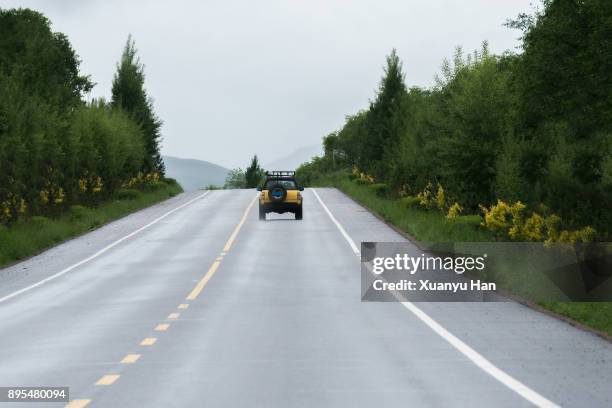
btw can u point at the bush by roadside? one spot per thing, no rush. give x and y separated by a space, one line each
424 225
29 236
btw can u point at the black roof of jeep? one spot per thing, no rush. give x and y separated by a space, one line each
283 175
272 176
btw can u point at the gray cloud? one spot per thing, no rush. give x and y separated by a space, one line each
234 78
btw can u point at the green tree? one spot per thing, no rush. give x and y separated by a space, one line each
235 179
55 150
129 94
564 126
253 174
385 120
474 114
41 61
534 127
566 65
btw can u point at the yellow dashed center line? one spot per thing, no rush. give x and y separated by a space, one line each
196 291
231 239
213 268
130 358
149 341
78 403
108 379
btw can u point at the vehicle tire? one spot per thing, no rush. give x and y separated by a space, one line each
262 213
298 213
277 193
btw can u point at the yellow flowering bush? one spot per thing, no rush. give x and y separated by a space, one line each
552 228
90 183
430 200
5 211
508 220
533 229
498 218
454 211
440 198
143 180
360 177
51 194
134 181
83 185
43 197
426 196
585 235
12 207
96 184
59 196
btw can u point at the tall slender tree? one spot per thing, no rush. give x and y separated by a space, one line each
385 119
129 94
254 173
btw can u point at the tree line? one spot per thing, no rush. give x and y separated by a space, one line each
56 149
532 126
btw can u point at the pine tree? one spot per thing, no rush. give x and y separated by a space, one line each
254 173
129 94
385 117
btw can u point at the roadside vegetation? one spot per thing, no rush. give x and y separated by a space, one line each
511 147
251 178
29 236
426 226
67 164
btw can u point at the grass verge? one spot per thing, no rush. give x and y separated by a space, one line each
432 226
30 236
596 315
424 226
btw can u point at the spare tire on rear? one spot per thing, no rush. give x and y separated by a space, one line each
277 193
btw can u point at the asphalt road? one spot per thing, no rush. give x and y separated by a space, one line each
195 302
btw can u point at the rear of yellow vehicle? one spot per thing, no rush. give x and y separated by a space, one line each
280 194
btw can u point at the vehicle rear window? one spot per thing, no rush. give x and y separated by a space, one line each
288 184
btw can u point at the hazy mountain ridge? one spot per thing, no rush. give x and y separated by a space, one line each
194 174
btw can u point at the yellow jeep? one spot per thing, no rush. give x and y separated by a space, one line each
280 194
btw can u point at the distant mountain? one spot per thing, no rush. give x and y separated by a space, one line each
194 174
293 160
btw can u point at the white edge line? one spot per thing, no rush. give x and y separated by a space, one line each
335 221
100 252
478 359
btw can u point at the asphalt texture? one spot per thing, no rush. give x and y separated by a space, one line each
211 307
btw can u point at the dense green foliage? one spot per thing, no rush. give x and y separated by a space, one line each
425 226
28 236
253 174
55 149
130 95
235 179
39 61
251 178
432 226
533 127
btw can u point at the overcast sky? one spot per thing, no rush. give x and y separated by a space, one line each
233 78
